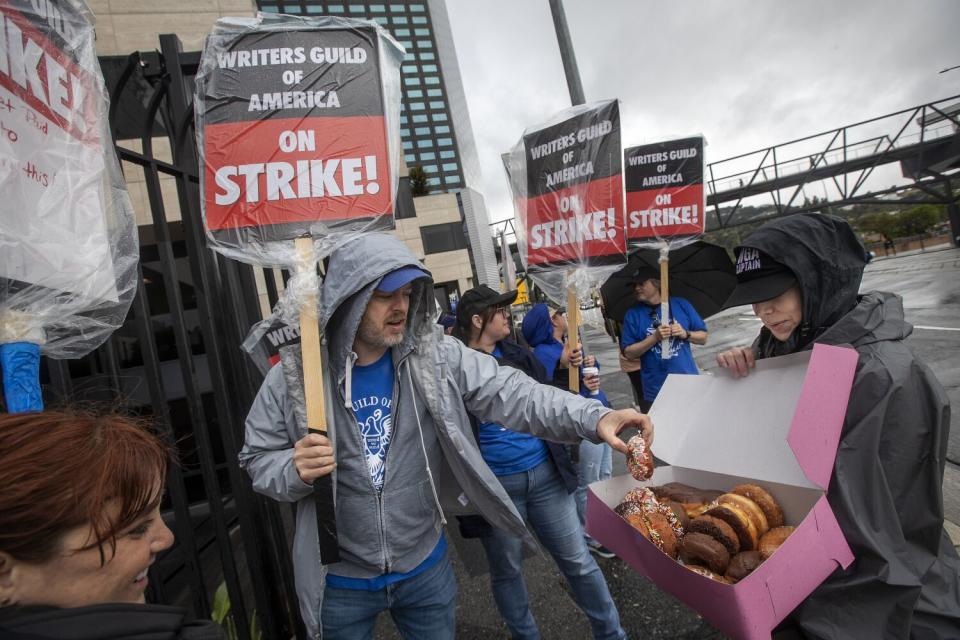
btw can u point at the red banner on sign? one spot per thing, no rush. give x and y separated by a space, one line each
665 212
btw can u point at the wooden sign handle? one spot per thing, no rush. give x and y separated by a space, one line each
664 303
316 406
573 336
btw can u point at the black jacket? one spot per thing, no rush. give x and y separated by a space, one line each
519 357
104 622
886 489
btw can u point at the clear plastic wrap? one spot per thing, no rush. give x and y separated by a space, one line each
299 134
266 338
664 193
567 184
68 244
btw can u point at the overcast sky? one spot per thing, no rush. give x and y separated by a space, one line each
746 74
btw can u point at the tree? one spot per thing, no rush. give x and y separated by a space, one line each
418 181
883 224
917 220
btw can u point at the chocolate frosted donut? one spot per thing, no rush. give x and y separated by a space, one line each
718 530
699 548
639 458
771 509
739 521
685 494
750 508
706 573
742 564
772 540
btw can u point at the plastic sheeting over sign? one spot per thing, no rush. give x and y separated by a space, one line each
298 127
68 247
665 198
568 195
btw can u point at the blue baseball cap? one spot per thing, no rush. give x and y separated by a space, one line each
396 279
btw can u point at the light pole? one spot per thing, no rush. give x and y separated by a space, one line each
566 52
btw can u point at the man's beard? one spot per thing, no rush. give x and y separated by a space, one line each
373 336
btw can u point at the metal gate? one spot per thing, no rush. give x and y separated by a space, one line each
177 358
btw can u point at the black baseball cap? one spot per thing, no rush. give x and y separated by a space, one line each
474 301
644 273
759 278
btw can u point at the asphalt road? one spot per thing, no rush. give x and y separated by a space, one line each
930 285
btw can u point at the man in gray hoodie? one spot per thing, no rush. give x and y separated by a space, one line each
400 446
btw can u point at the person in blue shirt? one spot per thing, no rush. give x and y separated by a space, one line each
544 330
643 333
538 477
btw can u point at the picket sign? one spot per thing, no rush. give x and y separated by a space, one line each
573 336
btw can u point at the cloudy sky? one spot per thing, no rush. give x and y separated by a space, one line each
745 73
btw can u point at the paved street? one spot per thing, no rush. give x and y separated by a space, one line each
930 285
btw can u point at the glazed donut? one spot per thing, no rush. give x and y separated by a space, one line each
699 548
772 540
742 564
638 520
739 521
695 509
639 458
706 573
718 530
750 508
764 500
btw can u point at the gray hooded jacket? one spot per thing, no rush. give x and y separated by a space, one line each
886 489
433 466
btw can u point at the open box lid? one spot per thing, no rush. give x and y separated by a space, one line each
781 423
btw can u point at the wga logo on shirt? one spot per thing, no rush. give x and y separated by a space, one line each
376 428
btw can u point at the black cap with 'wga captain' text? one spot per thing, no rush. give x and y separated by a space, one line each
759 278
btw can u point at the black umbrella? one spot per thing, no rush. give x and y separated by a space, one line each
700 272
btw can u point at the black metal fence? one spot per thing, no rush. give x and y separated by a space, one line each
177 358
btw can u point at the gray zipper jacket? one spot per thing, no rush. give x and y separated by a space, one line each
433 465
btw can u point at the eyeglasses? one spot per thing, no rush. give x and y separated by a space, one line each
502 310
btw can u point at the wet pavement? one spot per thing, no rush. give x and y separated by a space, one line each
930 285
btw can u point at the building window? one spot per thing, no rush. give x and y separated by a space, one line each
419 118
450 166
414 93
381 20
405 33
427 56
409 68
424 144
441 129
429 68
357 8
417 106
406 44
438 238
421 131
435 93
335 8
416 7
410 157
430 168
424 44
410 57
397 8
403 119
433 182
430 155
421 32
411 80
444 142
439 117
446 155
432 80
419 20
452 179
399 19
438 104
377 8
314 9
404 133
267 9
407 145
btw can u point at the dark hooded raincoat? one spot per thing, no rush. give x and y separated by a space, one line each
886 489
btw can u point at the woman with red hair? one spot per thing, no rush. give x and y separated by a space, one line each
80 526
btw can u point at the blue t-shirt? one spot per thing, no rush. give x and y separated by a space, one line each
381 581
372 395
506 451
639 323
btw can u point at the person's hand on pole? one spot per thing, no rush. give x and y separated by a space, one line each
313 457
572 357
678 331
614 422
592 383
590 361
738 361
665 331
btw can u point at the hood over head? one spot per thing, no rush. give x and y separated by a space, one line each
353 272
827 260
537 326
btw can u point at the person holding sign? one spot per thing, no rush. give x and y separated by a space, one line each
643 335
400 398
538 476
802 274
